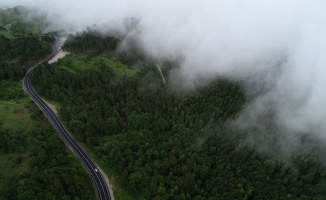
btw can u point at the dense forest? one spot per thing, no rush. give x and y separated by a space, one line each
24 48
165 144
21 41
52 173
34 162
45 170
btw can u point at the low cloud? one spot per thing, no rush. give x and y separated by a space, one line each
277 49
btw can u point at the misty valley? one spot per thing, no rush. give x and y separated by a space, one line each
152 136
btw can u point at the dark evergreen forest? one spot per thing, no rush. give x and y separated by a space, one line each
165 144
24 48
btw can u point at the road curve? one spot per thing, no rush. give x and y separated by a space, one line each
98 178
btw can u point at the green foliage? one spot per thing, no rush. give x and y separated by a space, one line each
79 64
34 162
23 48
7 16
88 42
52 171
21 41
21 21
11 71
12 142
100 104
22 28
167 145
93 43
14 116
7 34
11 90
30 152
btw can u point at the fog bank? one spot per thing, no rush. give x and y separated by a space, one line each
275 48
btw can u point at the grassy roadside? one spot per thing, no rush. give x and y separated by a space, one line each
78 64
15 120
7 34
14 116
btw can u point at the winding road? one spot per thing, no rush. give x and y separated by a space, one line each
103 191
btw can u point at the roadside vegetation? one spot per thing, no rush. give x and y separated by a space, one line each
157 143
81 64
34 162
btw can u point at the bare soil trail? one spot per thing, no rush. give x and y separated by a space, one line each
159 69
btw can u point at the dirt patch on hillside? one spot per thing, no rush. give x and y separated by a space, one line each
53 107
61 54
